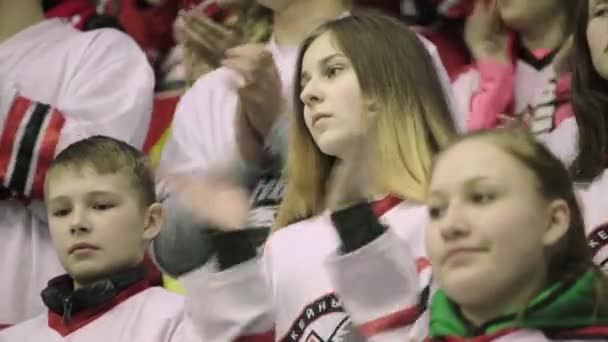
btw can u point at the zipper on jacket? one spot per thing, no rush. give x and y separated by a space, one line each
67 310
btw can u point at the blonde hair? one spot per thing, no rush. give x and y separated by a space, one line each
397 74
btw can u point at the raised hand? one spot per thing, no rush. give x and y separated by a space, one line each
259 85
214 198
485 33
204 40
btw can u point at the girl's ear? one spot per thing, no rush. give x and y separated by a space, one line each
558 224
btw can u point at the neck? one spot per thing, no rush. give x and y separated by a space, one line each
17 15
511 300
549 35
294 23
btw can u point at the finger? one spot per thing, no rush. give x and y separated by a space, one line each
209 26
243 68
200 42
246 50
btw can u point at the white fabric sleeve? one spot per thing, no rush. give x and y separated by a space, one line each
382 286
109 94
231 304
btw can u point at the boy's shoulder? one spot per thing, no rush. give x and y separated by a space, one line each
161 301
19 331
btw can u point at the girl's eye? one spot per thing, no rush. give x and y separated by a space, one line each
482 198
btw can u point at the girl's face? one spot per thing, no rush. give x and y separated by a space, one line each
333 104
489 225
597 35
521 14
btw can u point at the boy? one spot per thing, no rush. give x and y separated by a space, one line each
103 214
57 85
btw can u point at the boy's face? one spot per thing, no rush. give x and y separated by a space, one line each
96 221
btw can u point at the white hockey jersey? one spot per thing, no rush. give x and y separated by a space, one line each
291 296
594 200
152 315
385 260
530 86
57 85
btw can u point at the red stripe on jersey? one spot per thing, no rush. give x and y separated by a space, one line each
384 205
80 319
13 121
4 326
393 321
593 331
422 264
263 337
46 152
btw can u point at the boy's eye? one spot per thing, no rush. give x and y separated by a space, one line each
61 212
103 206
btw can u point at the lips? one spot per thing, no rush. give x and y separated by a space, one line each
319 116
81 246
460 251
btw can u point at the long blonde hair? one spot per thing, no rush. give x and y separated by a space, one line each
397 74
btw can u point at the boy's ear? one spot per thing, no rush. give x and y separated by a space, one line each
154 221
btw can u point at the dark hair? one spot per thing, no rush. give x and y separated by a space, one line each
108 155
590 102
99 21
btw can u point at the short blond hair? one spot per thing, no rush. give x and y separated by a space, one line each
108 155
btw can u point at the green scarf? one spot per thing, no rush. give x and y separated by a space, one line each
565 305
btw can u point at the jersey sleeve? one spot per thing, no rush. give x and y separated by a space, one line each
231 305
109 94
203 132
484 92
384 289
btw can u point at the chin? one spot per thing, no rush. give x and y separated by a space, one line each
603 70
331 145
465 286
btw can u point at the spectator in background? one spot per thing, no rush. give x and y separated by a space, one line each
590 101
442 22
81 13
513 81
96 82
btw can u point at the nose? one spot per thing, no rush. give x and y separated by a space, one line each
312 93
454 224
79 222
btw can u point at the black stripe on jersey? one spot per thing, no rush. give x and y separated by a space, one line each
598 238
27 144
529 58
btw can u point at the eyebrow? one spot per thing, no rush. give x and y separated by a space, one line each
304 75
598 2
91 194
467 183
